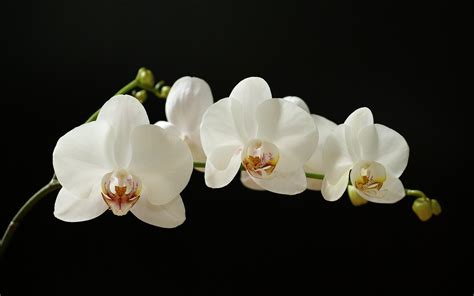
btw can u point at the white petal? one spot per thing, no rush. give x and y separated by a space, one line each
332 192
193 141
289 183
391 192
382 144
70 208
162 161
291 129
337 159
249 182
186 103
123 113
359 119
169 127
314 184
169 215
222 165
315 163
251 91
83 156
298 102
218 127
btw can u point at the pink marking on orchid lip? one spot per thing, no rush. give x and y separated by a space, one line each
260 159
120 190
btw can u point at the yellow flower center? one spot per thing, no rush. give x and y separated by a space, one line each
260 158
369 177
121 190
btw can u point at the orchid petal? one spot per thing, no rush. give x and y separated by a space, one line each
291 129
168 215
70 208
186 103
83 156
162 161
123 113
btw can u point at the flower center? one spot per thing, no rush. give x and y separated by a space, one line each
121 190
260 158
368 177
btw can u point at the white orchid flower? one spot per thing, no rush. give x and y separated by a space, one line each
185 105
372 155
314 164
271 138
122 162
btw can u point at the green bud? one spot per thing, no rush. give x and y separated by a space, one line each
159 84
435 207
165 90
145 77
422 208
141 95
354 196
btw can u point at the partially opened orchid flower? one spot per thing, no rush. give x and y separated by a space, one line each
372 155
186 103
271 138
122 162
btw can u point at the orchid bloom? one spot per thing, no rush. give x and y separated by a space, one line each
314 164
271 138
123 163
185 105
372 155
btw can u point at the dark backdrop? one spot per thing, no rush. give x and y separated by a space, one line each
61 60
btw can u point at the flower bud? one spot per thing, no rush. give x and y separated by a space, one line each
435 207
422 208
145 77
354 196
165 90
141 95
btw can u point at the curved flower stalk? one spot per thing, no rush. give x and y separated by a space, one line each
314 164
187 101
271 138
372 155
121 162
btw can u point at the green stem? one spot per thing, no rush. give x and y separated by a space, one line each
414 193
308 175
314 176
25 209
157 93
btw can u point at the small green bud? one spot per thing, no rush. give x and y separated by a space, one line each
354 196
165 90
145 77
435 207
159 84
422 208
141 95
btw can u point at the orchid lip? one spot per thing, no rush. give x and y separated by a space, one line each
260 158
369 177
120 190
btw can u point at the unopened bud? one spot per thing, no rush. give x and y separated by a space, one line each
422 208
165 90
141 95
145 77
354 196
435 207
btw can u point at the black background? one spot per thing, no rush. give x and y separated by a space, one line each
61 60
